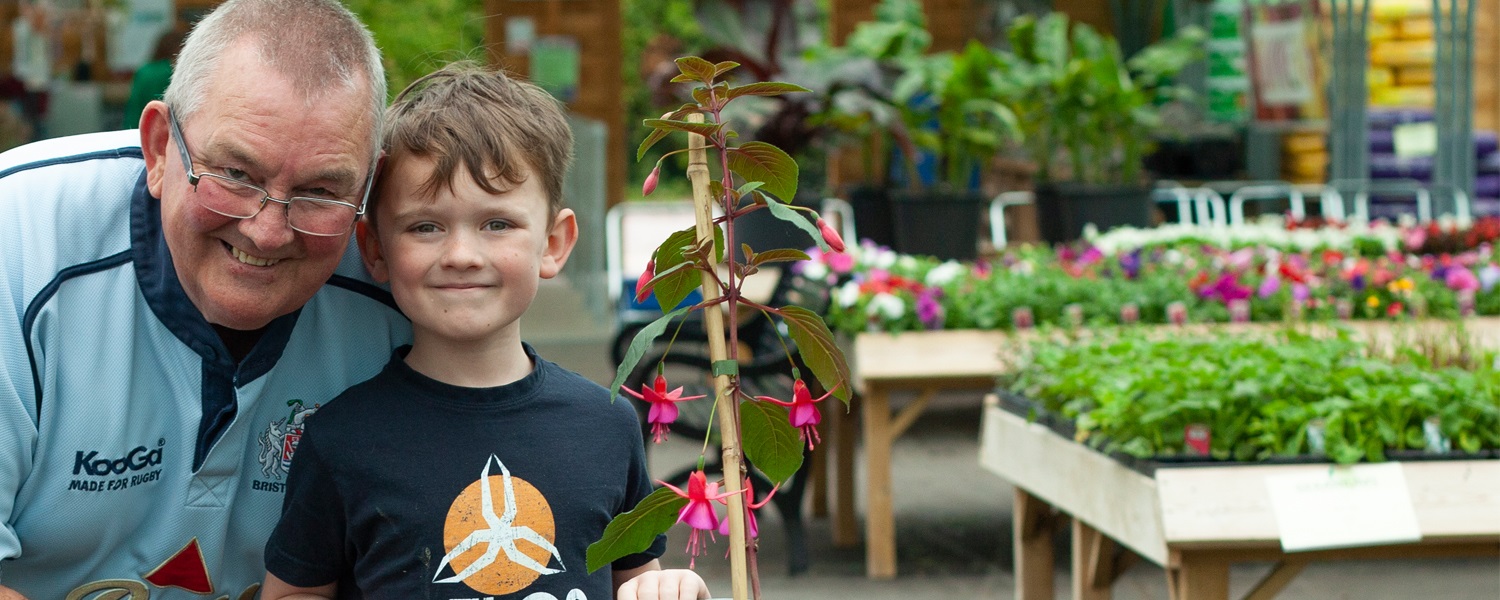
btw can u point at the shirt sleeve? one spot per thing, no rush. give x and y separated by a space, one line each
638 486
306 548
17 385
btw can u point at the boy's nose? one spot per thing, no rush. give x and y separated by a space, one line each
461 252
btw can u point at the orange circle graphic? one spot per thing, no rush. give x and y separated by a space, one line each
467 516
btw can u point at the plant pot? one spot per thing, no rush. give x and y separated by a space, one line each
1064 208
937 223
872 215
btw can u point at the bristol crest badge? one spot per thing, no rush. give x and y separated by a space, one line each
279 441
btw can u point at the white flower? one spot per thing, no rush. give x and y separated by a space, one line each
814 270
886 306
883 258
848 294
1172 256
944 273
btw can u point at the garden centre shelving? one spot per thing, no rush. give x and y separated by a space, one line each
1195 522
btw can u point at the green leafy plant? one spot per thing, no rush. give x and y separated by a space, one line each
1290 394
751 176
1077 95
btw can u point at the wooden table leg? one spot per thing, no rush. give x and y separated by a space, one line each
880 523
845 521
1032 546
1093 563
1198 578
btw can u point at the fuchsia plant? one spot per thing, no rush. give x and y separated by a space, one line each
752 176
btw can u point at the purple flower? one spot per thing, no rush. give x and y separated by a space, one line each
929 310
1227 289
1131 264
1269 287
1300 292
1358 282
1460 279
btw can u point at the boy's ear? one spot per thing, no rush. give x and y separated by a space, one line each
155 134
560 242
369 251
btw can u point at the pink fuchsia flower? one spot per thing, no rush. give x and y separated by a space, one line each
803 411
750 527
1461 279
663 406
831 236
699 512
643 284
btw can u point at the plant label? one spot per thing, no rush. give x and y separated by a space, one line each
1130 314
1239 311
1320 507
1177 313
1466 303
1432 434
1075 315
1021 318
1197 437
1344 308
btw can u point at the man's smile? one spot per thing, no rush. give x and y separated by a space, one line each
250 259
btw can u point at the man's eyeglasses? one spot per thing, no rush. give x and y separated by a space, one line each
239 199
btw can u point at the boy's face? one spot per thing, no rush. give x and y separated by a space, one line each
463 264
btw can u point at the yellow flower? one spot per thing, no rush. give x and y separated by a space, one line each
1406 284
1372 301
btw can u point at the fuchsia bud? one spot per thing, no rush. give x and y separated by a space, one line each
830 236
642 285
650 185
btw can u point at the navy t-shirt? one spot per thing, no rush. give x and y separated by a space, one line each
406 487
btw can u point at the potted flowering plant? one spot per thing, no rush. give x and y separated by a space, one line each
770 431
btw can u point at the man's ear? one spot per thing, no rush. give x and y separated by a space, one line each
560 242
155 135
369 251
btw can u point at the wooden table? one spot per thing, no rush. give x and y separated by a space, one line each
930 362
1195 522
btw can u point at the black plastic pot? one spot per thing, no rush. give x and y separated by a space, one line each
937 223
1064 208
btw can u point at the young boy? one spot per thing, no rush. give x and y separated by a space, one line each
469 467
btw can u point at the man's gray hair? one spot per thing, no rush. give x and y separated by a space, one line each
315 43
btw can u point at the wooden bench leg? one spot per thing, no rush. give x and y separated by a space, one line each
817 486
1093 563
1032 544
1198 578
845 522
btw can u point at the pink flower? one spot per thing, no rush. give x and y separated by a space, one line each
663 408
1460 279
650 185
830 236
803 411
750 528
642 285
839 262
699 512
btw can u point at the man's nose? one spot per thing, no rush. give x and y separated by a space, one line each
269 229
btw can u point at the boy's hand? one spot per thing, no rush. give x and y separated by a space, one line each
669 584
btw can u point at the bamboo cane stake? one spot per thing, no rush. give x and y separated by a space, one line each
727 408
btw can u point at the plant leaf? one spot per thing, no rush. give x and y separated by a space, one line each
785 213
700 94
771 443
638 346
674 285
635 531
778 255
704 129
759 161
725 67
696 69
657 134
822 355
764 88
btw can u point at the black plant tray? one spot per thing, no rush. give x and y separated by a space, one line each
1063 426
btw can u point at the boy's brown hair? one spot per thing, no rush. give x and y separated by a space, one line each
492 124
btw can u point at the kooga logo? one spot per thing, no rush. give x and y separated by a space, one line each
137 459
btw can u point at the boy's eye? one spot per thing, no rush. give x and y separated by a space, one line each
424 228
496 225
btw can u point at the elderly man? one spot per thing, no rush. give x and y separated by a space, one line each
174 305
